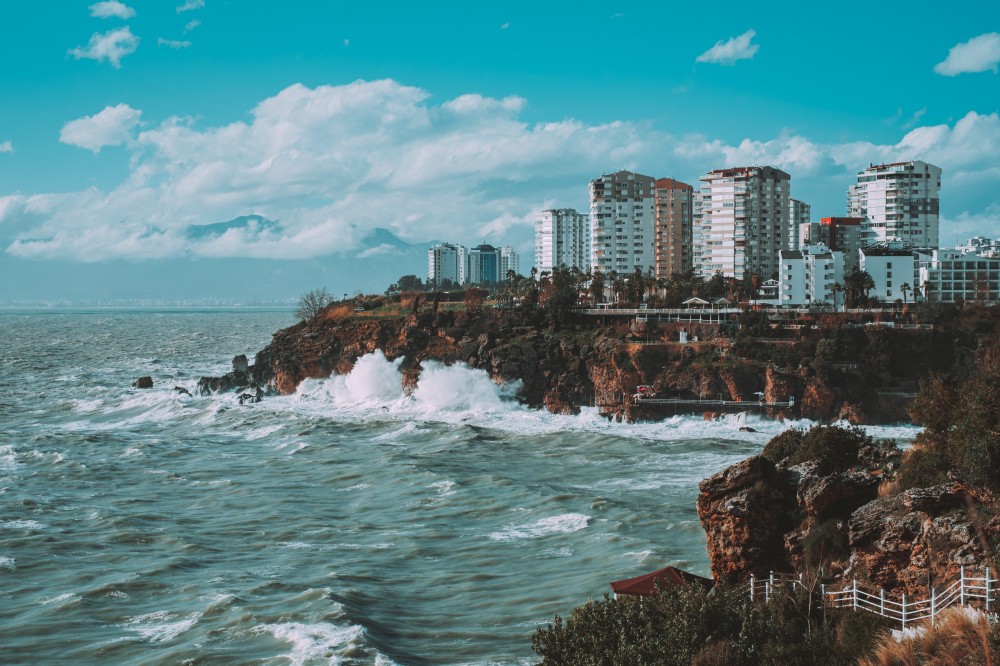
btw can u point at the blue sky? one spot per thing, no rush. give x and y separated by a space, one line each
125 124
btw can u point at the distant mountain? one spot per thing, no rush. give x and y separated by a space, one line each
380 259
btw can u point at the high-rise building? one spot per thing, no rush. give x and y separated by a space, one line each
509 261
744 221
901 200
847 235
672 226
621 222
799 213
697 213
483 265
562 237
811 233
446 262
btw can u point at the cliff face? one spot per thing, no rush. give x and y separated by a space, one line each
761 517
586 362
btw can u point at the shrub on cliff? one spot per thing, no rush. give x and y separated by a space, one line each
961 432
833 447
683 626
312 302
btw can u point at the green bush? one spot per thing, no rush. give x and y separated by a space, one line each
683 626
833 447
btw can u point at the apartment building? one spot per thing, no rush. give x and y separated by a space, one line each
799 213
807 276
672 226
622 213
446 261
483 265
745 220
891 265
969 273
562 237
509 261
901 200
847 235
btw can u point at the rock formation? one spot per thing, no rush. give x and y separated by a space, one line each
805 517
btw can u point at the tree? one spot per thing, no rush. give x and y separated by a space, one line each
905 289
597 285
312 303
837 287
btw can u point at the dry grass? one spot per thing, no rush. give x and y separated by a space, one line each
338 312
958 637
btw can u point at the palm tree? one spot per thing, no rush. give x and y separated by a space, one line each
867 283
836 288
928 287
905 288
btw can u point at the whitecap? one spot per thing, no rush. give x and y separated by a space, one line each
158 627
313 641
562 524
8 563
22 524
61 600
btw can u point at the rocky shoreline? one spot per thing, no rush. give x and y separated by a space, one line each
586 362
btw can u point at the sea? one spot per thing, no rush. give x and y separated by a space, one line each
349 523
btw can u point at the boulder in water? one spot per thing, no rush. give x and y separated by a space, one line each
143 383
181 390
240 363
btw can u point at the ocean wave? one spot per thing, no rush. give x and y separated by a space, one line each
161 626
314 641
562 524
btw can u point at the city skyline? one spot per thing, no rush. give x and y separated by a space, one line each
133 126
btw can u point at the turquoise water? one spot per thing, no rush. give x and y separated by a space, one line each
347 524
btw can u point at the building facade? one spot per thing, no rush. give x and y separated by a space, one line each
622 213
799 213
446 262
847 235
891 266
745 221
483 265
562 237
672 227
959 275
807 276
901 200
509 261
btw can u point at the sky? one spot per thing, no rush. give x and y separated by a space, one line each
128 126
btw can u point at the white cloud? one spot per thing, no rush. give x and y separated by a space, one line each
111 46
733 49
173 43
111 127
979 54
191 4
332 163
192 25
6 146
111 9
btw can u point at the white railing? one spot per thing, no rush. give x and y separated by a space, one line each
967 590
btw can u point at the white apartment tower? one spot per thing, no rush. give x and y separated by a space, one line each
672 228
509 261
745 221
901 200
446 262
622 213
562 236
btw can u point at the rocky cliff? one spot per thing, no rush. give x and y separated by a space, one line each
586 362
845 521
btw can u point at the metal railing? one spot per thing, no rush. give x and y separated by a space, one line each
967 590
